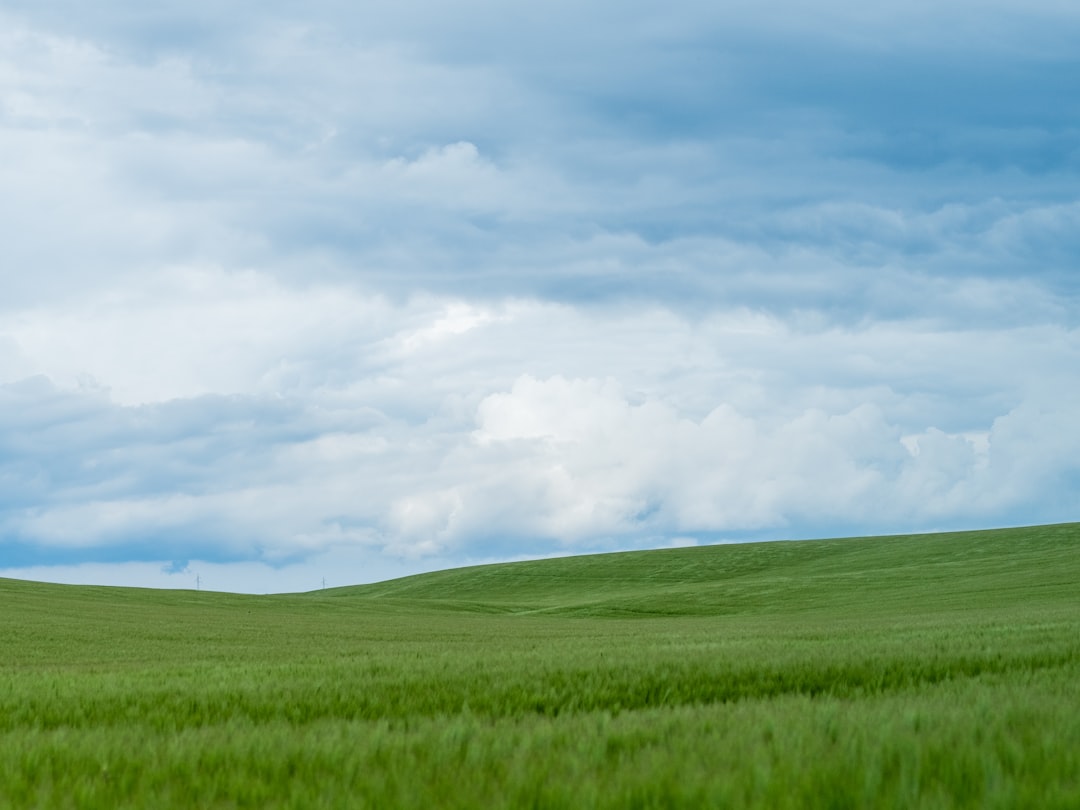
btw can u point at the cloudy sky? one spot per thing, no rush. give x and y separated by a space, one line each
344 291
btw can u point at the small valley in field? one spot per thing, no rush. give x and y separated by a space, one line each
912 671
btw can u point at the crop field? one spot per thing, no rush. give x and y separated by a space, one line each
921 671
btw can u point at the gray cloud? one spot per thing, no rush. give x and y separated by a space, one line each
326 145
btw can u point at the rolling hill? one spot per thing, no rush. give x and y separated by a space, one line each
929 670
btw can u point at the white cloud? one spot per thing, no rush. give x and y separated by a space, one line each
419 430
417 427
186 331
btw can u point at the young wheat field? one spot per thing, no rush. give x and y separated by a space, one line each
921 671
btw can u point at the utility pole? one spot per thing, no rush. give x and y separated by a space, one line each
198 583
324 583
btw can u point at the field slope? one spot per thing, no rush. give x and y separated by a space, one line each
935 671
962 569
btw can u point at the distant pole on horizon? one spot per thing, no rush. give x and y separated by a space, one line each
198 583
324 583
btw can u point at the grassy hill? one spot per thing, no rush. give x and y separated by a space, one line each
935 670
955 570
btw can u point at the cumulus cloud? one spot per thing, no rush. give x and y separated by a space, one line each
438 429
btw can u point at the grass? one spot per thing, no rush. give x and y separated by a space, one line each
922 671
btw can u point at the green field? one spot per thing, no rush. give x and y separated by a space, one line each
922 671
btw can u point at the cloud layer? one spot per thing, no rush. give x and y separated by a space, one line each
411 285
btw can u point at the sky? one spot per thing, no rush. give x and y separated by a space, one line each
327 293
